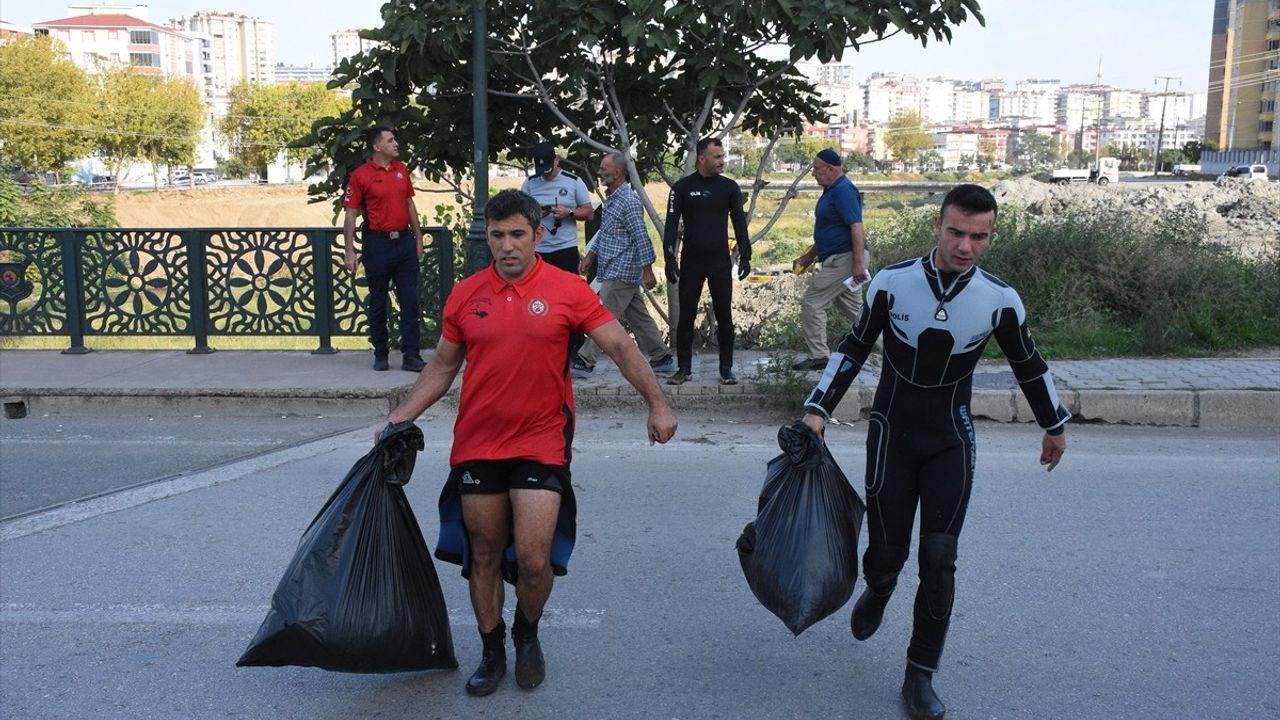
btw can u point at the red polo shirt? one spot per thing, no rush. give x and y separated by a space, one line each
383 193
517 396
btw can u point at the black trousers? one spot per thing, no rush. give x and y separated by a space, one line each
388 261
718 276
567 259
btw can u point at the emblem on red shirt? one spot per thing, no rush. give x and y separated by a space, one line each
538 306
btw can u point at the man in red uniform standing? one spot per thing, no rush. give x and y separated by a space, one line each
391 247
513 437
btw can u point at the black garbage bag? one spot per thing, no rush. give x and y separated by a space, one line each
800 554
361 594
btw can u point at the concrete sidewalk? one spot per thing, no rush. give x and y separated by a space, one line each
1214 392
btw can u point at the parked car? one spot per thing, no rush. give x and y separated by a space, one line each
1256 171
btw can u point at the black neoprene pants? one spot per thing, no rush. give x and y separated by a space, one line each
718 275
920 450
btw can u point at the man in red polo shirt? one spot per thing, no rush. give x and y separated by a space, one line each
513 438
391 245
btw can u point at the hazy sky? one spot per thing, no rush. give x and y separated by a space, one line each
1137 40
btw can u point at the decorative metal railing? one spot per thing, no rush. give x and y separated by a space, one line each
198 282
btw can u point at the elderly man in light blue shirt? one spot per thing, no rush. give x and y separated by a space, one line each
623 256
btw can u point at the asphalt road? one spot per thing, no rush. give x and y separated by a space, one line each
1138 580
53 459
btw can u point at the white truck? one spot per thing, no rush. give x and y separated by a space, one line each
1106 171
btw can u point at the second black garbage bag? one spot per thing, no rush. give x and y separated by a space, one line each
361 593
800 554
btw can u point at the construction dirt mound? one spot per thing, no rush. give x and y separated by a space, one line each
1241 213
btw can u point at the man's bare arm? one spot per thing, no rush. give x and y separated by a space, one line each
618 345
433 382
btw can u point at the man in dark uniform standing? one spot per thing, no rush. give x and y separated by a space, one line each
935 314
391 245
705 201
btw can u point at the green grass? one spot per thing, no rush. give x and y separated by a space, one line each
1117 285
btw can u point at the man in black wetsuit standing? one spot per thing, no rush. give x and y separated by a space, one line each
935 314
706 201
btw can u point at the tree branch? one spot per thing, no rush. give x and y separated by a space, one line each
554 108
782 204
757 184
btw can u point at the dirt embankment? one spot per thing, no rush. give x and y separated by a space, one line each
1240 213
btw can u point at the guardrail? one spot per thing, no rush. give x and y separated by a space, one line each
198 282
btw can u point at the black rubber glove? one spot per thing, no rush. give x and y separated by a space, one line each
673 275
744 269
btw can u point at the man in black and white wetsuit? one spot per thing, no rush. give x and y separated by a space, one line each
936 315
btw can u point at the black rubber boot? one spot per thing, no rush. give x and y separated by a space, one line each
918 695
493 664
531 667
880 566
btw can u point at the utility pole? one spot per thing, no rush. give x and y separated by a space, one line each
477 247
1163 104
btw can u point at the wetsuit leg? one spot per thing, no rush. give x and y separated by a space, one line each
946 482
891 506
720 283
692 276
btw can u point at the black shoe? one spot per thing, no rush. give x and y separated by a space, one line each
867 614
664 364
918 695
580 370
493 666
412 363
380 363
811 364
531 668
728 378
680 377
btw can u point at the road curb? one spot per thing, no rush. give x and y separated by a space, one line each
1176 408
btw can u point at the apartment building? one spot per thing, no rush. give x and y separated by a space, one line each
96 42
1244 74
346 43
242 48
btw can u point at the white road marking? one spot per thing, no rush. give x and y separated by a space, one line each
125 499
151 441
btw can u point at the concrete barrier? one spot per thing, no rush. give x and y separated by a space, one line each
1239 408
1137 407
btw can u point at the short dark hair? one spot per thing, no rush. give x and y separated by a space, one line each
970 199
705 143
510 203
374 134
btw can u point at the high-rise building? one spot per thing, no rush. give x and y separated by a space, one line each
1244 74
346 43
242 48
